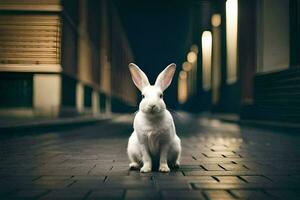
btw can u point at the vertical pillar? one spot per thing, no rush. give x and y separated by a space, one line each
95 102
216 58
79 98
47 94
84 49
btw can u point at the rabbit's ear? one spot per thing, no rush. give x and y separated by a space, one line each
164 79
138 76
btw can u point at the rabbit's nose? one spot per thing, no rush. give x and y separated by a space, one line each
152 107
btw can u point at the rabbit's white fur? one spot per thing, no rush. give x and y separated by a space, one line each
154 135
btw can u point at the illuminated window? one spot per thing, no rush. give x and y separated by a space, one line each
206 59
231 39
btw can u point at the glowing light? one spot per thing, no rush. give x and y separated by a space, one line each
206 59
191 57
194 48
231 39
216 64
186 66
183 75
182 87
216 20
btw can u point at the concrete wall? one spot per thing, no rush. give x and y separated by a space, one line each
47 94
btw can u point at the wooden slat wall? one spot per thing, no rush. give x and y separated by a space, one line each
30 2
31 5
276 96
29 39
121 56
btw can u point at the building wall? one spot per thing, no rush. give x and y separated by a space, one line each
273 40
276 83
57 62
123 92
267 86
30 47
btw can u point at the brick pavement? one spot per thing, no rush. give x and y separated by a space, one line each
219 161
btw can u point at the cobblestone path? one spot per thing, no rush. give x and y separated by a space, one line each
219 161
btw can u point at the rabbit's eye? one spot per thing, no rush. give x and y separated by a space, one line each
143 96
161 96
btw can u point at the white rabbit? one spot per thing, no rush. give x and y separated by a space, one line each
154 136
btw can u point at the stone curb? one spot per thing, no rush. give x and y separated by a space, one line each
34 125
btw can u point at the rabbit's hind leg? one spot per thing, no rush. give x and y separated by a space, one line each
174 154
134 152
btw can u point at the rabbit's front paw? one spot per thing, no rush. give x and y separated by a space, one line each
134 165
145 169
164 168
